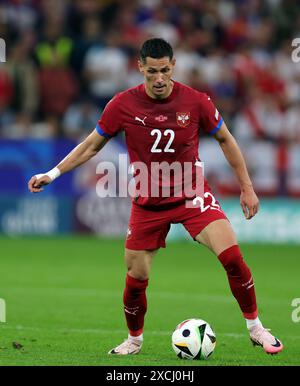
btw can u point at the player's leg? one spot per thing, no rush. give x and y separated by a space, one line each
146 234
219 237
134 298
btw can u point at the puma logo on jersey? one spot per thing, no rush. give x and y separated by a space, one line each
140 120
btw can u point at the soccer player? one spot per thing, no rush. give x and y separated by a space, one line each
161 119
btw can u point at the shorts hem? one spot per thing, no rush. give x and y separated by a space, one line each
203 226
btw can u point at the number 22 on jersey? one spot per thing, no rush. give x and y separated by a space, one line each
155 148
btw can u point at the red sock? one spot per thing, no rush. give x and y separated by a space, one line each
240 280
135 304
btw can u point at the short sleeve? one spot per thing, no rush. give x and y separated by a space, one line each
210 118
110 122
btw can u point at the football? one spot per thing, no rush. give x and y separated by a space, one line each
193 339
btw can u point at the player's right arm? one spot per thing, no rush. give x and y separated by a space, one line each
78 156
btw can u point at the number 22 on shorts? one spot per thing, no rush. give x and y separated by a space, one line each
213 205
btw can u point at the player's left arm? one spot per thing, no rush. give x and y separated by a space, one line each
248 198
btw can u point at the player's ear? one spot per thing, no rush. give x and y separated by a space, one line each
173 62
141 66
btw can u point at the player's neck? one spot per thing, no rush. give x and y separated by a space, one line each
160 97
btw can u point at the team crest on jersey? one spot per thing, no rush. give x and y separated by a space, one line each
183 119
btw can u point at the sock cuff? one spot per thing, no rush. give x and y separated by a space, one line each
136 283
136 333
233 250
251 315
230 254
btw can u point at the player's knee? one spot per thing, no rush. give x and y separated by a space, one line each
137 282
138 264
138 274
138 270
232 260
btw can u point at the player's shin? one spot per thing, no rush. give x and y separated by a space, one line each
240 281
135 305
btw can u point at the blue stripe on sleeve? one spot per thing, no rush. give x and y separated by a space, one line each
217 127
101 132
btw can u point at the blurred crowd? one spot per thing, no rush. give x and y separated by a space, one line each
66 59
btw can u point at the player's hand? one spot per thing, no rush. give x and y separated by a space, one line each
249 203
36 183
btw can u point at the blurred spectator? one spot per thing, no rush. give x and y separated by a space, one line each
134 76
260 119
24 79
6 87
262 161
126 22
80 119
53 54
292 123
187 61
288 70
22 14
19 127
90 37
212 66
293 172
105 69
160 26
23 126
55 48
81 10
195 79
225 90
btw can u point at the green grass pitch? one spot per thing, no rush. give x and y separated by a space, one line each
64 302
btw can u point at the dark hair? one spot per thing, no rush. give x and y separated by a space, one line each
156 48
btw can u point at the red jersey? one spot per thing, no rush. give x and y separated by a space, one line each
157 131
